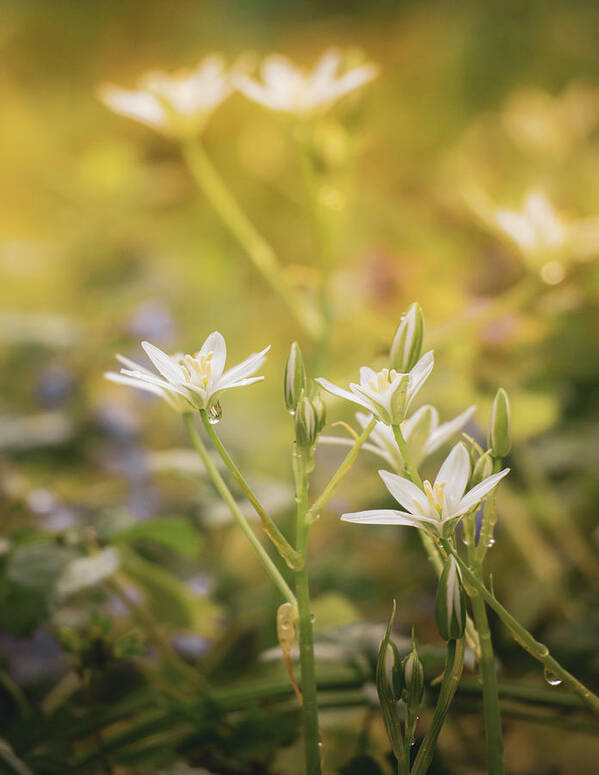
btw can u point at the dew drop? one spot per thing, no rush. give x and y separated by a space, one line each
551 678
490 543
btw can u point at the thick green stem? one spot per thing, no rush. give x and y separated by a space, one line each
306 643
258 249
339 474
522 636
228 498
287 552
453 671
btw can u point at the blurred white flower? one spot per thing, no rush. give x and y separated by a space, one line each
547 241
190 381
422 432
287 88
436 507
386 394
177 105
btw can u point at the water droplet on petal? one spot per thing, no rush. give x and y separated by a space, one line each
551 678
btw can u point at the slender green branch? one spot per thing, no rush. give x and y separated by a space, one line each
306 644
522 636
287 552
489 520
258 249
339 474
454 665
407 458
228 498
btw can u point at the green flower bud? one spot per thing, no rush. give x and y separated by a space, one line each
295 377
413 674
389 693
482 468
450 604
407 342
306 422
320 409
499 433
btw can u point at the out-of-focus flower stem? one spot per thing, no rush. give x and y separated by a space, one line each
454 665
258 249
339 474
306 643
522 636
287 552
228 498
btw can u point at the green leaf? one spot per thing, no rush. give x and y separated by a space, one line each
176 533
38 565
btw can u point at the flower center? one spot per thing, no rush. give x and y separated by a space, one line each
198 368
380 383
434 495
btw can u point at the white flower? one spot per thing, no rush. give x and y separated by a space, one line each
434 508
289 89
177 105
386 394
190 381
422 432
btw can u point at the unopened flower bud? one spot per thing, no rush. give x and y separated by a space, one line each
407 342
389 691
450 605
320 408
499 433
413 675
295 377
306 422
482 468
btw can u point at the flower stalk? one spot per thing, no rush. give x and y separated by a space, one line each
306 643
258 249
228 498
284 548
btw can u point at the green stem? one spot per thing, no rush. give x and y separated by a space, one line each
340 473
228 498
453 671
258 249
522 636
489 520
306 644
287 552
405 453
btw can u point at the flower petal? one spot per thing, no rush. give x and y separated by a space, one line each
337 391
215 344
246 368
446 430
383 517
164 363
406 493
420 373
476 494
454 474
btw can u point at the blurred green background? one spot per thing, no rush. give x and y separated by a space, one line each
105 241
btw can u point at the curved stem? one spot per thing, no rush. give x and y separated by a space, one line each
339 474
228 498
287 552
522 636
258 249
306 644
453 670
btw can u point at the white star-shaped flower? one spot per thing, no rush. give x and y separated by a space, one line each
190 381
177 105
386 394
436 507
289 89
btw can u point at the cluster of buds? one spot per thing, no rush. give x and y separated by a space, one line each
303 400
403 683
